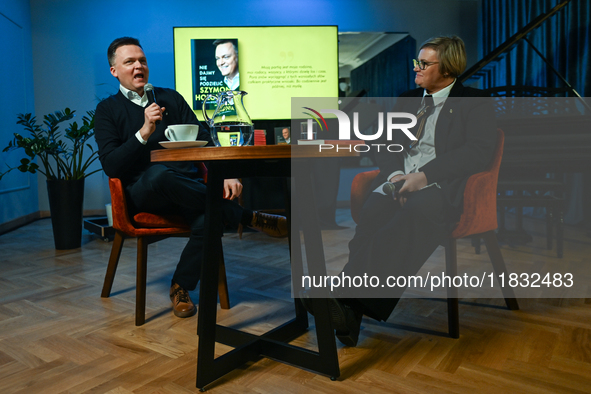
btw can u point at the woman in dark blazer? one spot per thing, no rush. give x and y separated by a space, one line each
397 233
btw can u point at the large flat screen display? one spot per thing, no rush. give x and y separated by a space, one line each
272 64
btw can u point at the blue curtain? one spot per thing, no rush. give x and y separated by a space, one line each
564 40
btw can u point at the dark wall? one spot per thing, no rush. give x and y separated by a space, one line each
389 73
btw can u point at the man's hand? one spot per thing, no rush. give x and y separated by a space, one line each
412 182
232 188
152 114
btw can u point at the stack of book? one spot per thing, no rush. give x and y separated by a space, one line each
260 137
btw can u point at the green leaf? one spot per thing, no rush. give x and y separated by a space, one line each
59 158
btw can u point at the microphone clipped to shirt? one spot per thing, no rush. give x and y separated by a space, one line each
149 89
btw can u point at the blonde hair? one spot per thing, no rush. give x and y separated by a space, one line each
451 54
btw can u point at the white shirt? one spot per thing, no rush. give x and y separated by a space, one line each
423 152
136 99
235 82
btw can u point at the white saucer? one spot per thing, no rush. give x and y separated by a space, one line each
182 144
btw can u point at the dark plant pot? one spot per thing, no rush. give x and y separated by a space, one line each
66 201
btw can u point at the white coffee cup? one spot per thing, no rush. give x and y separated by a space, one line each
182 132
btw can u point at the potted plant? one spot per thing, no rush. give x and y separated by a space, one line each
63 164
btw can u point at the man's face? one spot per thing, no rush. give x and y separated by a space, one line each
430 78
131 68
285 133
226 59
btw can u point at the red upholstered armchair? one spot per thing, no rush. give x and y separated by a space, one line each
479 219
147 228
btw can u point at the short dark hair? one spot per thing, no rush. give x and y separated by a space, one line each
225 41
451 54
119 42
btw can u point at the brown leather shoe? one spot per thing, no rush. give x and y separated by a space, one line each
272 225
182 306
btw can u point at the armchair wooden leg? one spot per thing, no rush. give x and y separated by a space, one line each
223 284
141 278
451 270
475 243
498 263
113 262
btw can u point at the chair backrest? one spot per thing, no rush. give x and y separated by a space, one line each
480 197
143 223
121 218
359 191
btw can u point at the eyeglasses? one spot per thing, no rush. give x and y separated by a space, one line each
422 64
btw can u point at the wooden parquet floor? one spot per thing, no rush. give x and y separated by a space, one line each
57 335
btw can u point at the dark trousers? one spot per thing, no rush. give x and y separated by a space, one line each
164 190
395 240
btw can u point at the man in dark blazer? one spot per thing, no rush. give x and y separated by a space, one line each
398 232
128 126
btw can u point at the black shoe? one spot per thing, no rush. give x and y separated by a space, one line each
272 225
345 319
306 300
